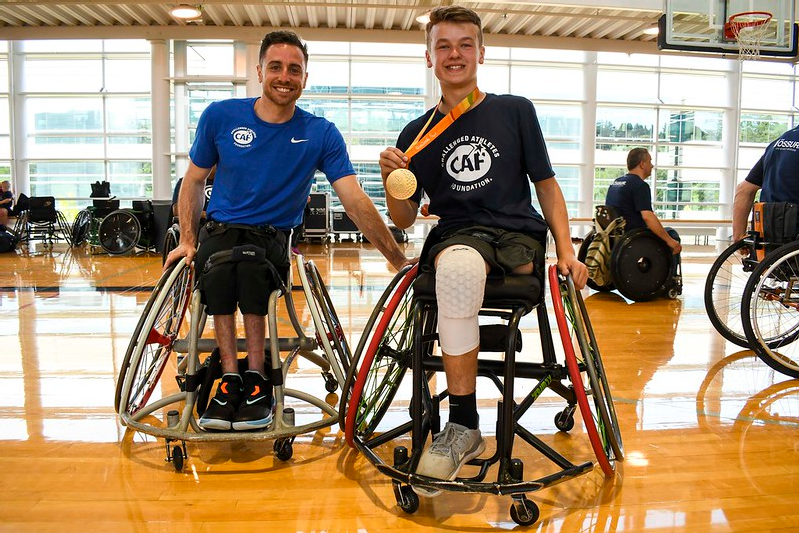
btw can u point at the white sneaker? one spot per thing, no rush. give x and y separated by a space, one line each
450 450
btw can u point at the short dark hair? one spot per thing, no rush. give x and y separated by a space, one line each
636 157
282 37
453 14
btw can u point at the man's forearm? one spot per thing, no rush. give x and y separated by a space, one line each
368 220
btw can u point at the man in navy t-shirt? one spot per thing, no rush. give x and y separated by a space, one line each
777 173
631 197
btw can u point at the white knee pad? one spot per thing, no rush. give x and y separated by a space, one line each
460 286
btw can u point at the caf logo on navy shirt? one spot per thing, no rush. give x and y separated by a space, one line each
467 160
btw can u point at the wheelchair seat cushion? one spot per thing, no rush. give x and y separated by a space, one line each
511 291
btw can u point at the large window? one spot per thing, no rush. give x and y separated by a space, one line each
85 113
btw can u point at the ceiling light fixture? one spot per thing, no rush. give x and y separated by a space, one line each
184 11
652 30
423 19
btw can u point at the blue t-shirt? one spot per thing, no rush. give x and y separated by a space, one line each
630 195
264 171
478 171
777 171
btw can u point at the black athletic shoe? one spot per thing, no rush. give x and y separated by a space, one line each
255 410
222 407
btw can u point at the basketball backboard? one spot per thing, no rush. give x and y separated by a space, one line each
704 26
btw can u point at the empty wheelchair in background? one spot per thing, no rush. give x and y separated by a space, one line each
116 231
640 263
43 222
164 395
401 335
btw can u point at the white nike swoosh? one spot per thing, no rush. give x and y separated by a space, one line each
295 141
250 402
220 402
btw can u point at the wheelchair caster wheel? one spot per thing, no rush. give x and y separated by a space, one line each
410 500
524 512
564 420
177 458
283 449
673 293
331 385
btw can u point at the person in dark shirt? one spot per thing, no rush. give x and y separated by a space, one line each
632 198
477 172
776 173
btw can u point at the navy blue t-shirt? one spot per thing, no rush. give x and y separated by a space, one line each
478 171
630 195
777 171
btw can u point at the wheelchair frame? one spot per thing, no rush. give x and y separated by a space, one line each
401 334
161 331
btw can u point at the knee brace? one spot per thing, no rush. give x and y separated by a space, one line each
460 287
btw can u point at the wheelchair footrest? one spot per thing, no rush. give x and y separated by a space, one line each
489 488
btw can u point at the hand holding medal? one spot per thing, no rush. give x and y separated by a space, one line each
401 182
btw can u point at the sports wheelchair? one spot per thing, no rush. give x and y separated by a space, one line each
39 219
116 231
401 335
173 320
750 292
640 262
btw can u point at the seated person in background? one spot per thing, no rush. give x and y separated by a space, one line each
631 197
6 203
261 187
477 174
776 172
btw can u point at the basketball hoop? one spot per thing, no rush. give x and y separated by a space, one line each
748 29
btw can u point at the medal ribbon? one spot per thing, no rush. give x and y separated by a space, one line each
419 143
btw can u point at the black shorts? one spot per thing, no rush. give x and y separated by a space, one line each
503 250
246 284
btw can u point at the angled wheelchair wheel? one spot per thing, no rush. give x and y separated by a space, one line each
119 232
599 415
581 255
640 265
171 240
724 288
81 227
330 323
384 361
156 333
770 309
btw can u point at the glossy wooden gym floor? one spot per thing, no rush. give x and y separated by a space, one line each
711 434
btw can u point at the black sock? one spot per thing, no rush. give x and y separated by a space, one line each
463 410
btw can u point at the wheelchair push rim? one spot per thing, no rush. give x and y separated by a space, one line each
154 342
770 310
724 289
390 344
599 416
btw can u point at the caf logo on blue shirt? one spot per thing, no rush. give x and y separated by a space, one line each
243 137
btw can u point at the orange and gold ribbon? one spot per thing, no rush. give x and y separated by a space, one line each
419 143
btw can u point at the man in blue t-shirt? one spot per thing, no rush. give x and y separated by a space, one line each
632 198
266 151
776 172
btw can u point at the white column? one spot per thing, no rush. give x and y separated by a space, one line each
588 142
731 127
247 69
181 108
162 159
19 132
